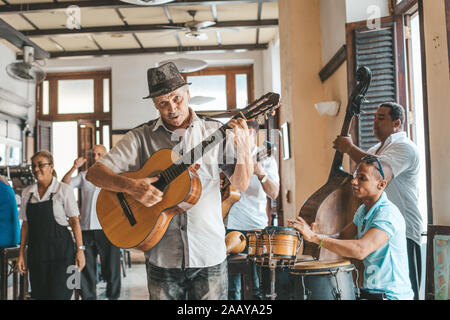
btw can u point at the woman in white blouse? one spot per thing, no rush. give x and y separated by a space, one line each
48 208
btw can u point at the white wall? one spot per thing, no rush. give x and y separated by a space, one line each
21 88
357 10
129 79
271 67
332 27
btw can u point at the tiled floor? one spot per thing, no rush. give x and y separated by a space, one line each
134 285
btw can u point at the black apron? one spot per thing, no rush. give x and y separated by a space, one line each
50 251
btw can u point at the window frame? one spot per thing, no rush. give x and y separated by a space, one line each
402 7
53 79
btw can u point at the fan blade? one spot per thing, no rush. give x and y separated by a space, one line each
147 2
173 27
187 65
202 37
204 24
199 100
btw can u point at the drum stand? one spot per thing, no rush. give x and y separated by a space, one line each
273 263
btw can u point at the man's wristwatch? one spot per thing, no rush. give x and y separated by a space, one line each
264 178
81 248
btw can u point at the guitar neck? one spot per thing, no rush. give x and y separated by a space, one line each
178 167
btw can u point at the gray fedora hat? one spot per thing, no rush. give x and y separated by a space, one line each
163 80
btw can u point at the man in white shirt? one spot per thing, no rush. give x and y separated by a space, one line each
93 236
250 212
402 155
189 262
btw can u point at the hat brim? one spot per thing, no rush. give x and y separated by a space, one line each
166 91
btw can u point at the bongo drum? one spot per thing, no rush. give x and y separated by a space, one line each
252 237
323 280
280 243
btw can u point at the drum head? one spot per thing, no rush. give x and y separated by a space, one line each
311 267
280 230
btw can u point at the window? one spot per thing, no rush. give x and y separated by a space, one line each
69 96
74 108
415 105
376 49
75 96
394 54
231 87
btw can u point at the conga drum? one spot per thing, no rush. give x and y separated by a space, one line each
284 287
280 243
323 280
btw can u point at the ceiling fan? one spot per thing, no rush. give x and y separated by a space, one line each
147 2
25 70
194 28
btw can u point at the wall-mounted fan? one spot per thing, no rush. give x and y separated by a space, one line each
147 2
25 70
187 65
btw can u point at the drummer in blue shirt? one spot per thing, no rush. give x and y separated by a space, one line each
376 236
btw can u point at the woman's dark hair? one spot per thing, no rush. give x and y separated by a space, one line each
397 112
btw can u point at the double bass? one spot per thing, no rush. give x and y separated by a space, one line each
333 206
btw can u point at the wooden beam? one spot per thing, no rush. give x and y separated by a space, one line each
19 40
333 64
107 4
155 50
141 28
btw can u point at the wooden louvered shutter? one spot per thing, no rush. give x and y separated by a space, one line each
382 51
44 135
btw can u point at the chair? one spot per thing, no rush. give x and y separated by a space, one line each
438 262
8 260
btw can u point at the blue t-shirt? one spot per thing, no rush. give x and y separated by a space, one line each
386 269
9 217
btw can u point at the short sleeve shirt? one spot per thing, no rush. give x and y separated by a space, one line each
89 195
64 203
195 238
386 269
401 154
249 212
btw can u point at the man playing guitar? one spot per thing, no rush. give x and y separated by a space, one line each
189 262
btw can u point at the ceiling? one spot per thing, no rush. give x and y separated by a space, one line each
116 27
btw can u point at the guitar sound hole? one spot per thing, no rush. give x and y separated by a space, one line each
161 184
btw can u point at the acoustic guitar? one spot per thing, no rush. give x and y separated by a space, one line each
129 224
229 194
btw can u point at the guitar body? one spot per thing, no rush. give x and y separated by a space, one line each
229 197
151 222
